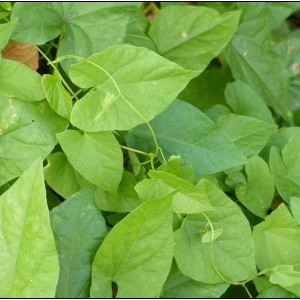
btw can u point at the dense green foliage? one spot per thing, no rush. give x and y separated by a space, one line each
153 156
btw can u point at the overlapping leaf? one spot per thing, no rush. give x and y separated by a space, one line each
28 261
126 257
12 83
285 168
248 134
61 176
79 229
134 85
257 199
277 240
180 286
191 135
224 253
262 69
27 131
95 156
194 41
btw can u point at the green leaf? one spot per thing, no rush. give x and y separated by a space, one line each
61 176
261 69
207 89
27 131
254 22
191 135
194 41
248 134
79 229
187 199
245 101
95 156
28 262
295 208
287 277
134 84
279 11
126 199
180 286
277 240
38 22
285 168
58 98
6 30
257 193
92 28
275 291
126 257
12 83
231 253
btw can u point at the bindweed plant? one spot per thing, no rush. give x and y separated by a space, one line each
154 154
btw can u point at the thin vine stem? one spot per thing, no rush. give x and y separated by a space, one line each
55 68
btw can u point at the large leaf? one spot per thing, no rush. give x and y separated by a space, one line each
191 135
285 168
245 101
134 85
137 253
95 156
28 261
225 253
262 69
181 286
27 131
248 134
79 229
12 83
277 240
256 194
194 41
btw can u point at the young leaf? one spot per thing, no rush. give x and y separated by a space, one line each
285 169
126 258
79 229
61 176
27 131
248 134
251 194
191 135
245 101
28 261
12 83
194 41
287 277
181 286
95 156
228 257
277 240
58 98
263 70
134 85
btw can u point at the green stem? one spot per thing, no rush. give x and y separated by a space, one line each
55 68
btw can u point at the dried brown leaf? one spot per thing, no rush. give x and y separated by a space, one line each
22 52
